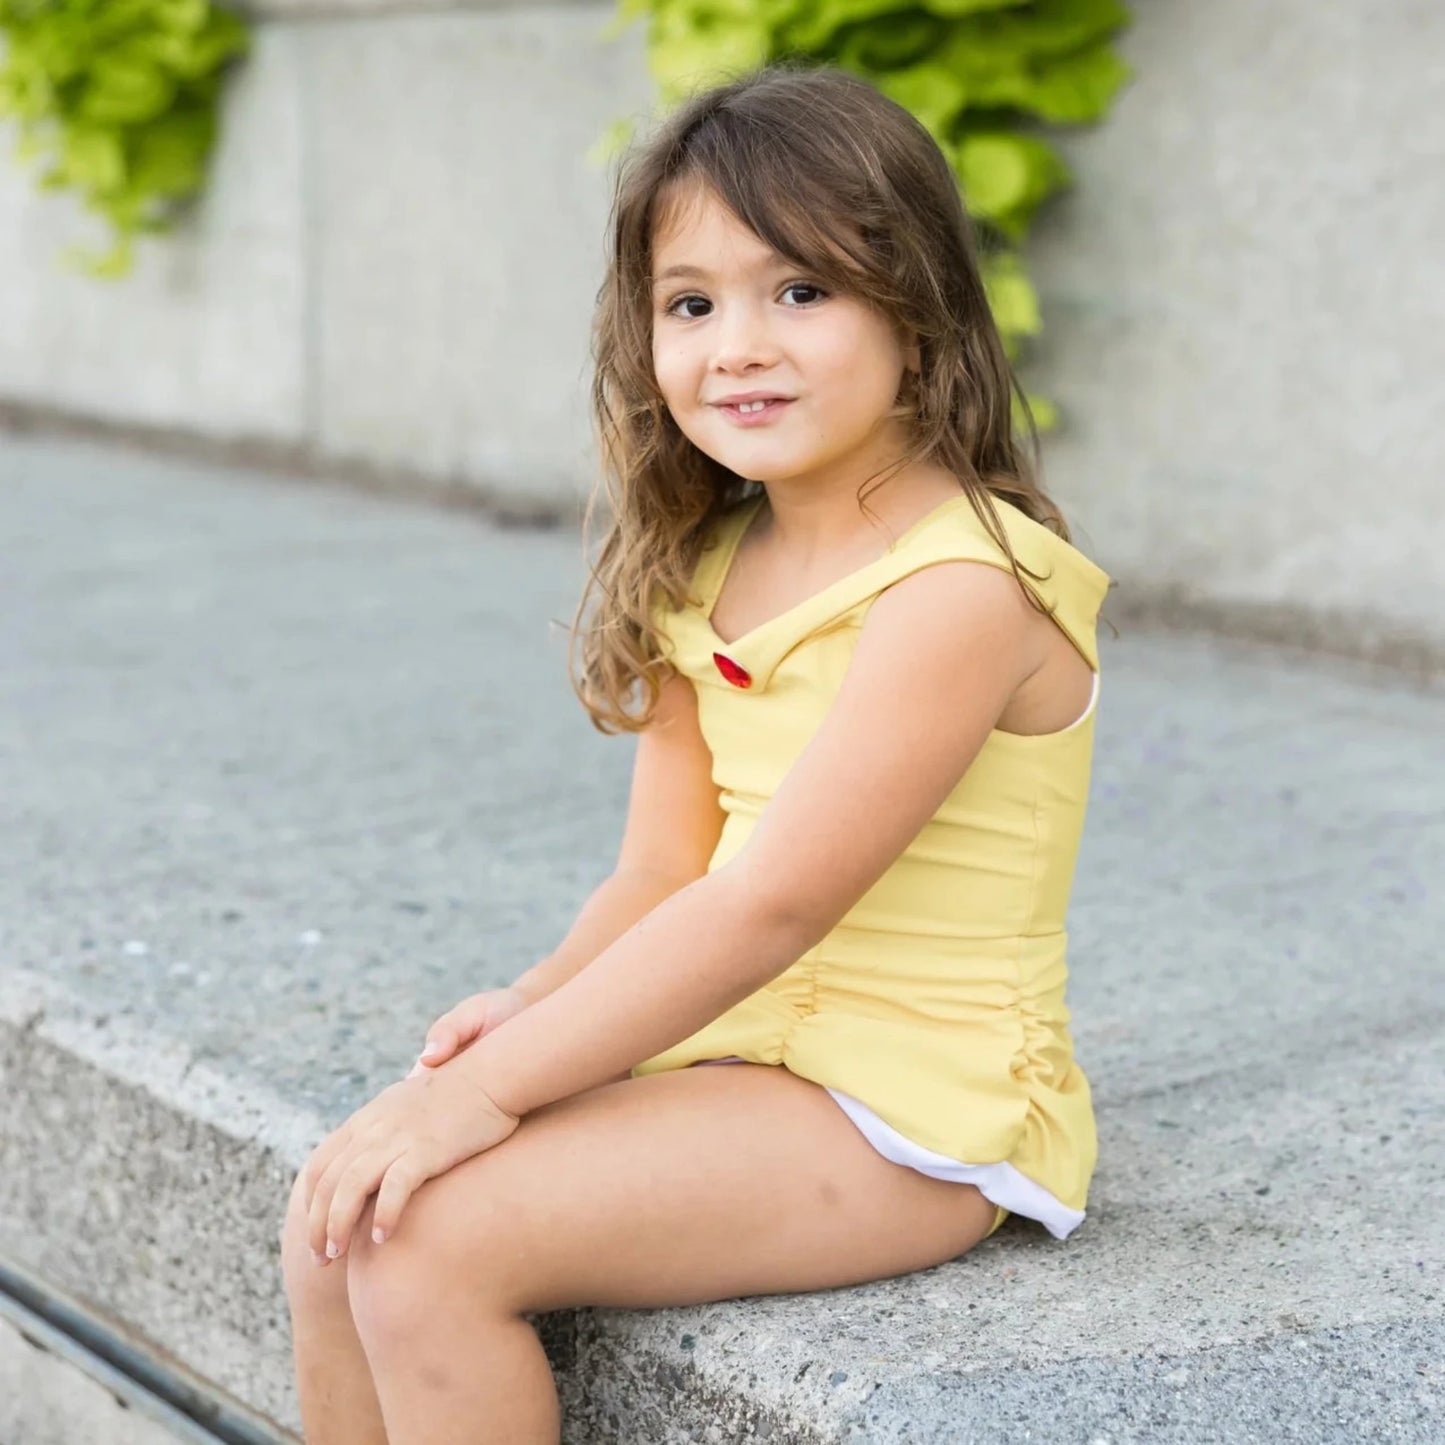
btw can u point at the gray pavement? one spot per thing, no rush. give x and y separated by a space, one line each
281 778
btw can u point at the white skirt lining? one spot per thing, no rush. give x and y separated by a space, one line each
998 1183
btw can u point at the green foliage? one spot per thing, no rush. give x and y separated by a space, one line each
982 75
118 99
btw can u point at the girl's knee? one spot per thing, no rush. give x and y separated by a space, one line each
393 1290
448 1245
308 1285
293 1226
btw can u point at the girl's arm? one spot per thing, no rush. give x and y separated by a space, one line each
938 658
674 821
617 903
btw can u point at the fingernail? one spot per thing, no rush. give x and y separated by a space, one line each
379 1235
431 1048
332 1249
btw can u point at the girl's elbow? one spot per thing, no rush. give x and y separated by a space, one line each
787 918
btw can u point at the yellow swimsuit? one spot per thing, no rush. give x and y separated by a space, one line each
934 1011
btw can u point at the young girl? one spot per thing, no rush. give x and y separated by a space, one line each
860 781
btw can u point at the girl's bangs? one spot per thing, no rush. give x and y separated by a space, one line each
802 223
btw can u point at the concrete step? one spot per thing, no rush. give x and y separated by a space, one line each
277 785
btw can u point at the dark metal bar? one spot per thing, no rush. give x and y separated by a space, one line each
195 1411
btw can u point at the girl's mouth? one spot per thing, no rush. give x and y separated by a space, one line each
754 415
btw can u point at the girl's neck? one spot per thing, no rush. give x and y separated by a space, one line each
807 523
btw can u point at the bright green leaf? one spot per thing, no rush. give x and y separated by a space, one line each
1011 295
1079 87
1046 414
93 159
220 40
1028 34
1005 176
105 266
954 8
118 99
186 16
933 94
683 59
612 141
890 43
124 92
170 156
818 23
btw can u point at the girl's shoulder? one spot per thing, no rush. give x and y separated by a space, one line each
1070 584
957 523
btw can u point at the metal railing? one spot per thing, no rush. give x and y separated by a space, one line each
182 1403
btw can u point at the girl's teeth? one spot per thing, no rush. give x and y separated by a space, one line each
751 405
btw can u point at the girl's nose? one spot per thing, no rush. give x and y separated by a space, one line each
742 339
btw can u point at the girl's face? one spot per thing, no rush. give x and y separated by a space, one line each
730 316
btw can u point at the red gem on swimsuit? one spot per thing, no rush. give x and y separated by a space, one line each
730 670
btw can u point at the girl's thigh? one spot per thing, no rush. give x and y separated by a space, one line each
675 1188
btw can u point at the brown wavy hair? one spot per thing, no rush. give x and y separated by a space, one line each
851 188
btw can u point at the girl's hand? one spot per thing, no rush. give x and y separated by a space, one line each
461 1026
412 1131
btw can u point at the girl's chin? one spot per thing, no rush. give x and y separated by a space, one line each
763 463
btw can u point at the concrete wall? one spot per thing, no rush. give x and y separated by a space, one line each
1245 308
396 262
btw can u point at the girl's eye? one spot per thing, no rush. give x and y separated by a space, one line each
671 308
805 286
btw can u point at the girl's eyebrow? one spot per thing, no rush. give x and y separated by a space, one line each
775 262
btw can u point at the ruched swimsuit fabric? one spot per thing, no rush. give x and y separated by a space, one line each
934 1011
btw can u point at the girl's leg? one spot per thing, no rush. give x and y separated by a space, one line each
673 1188
333 1379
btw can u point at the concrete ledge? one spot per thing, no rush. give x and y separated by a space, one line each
277 767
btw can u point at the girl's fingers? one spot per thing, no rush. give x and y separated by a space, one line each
441 1049
353 1189
452 1032
399 1183
320 1161
322 1202
443 1037
338 1142
316 1214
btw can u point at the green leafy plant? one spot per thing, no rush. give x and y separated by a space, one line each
118 98
984 76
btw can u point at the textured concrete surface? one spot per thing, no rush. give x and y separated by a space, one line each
278 783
